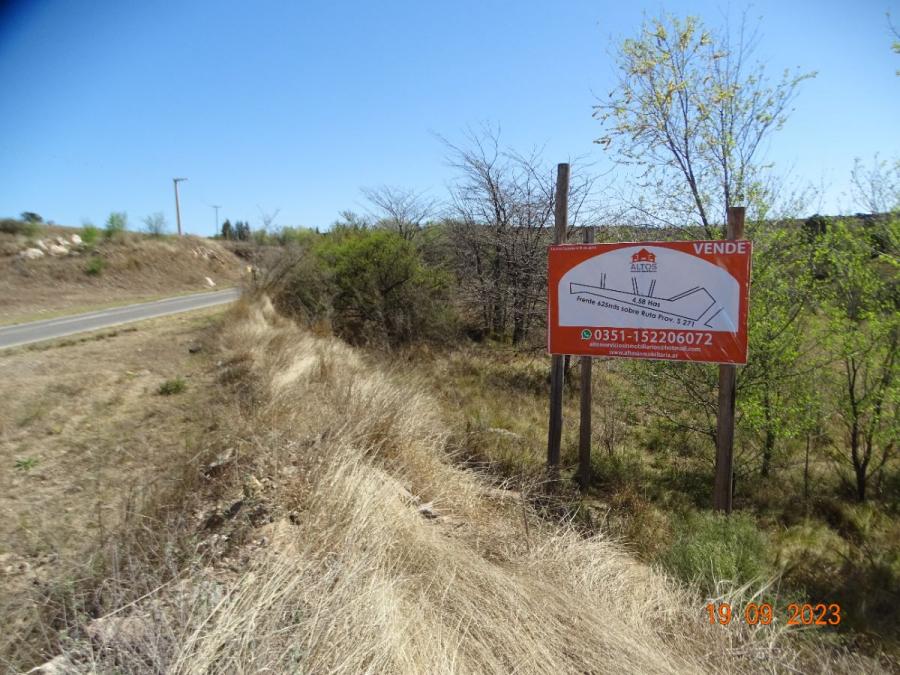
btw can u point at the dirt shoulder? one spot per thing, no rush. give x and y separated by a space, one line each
83 431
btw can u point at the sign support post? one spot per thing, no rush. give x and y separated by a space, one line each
584 429
659 300
554 435
722 491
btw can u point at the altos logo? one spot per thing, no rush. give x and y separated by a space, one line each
643 261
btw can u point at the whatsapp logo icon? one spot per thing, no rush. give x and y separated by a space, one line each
586 334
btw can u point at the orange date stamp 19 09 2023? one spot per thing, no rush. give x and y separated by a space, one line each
806 614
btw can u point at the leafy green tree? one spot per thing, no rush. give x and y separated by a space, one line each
227 231
31 217
241 230
775 390
691 111
859 297
876 187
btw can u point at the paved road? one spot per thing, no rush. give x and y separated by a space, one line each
24 333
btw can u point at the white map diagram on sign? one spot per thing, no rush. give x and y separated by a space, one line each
649 287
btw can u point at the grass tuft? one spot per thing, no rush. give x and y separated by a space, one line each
95 266
711 549
26 463
170 387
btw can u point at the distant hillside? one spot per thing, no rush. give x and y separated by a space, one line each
54 269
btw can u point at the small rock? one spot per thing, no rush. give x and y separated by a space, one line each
41 245
210 282
427 511
55 249
234 508
219 463
213 521
61 242
505 433
122 630
31 254
75 239
194 348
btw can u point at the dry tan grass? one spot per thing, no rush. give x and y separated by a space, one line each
380 554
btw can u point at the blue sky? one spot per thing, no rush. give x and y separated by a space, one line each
297 105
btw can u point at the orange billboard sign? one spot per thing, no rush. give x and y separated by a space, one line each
671 300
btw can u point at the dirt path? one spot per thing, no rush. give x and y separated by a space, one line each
83 429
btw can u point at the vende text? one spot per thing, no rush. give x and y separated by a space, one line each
721 247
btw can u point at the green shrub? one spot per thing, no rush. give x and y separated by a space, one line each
301 287
115 224
95 266
299 236
710 549
371 284
621 469
383 292
89 233
173 386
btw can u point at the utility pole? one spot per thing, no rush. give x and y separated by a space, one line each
216 207
176 181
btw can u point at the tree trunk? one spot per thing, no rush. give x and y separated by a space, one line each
860 484
806 475
859 464
768 449
769 445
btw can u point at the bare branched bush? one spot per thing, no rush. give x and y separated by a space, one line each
501 223
402 210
